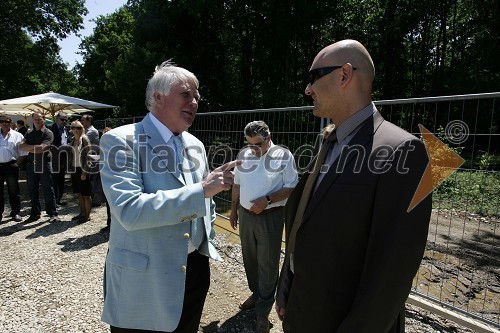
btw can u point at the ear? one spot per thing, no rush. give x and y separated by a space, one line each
347 73
157 98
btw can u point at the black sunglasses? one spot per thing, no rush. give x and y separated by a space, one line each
4 121
63 119
258 144
317 73
76 127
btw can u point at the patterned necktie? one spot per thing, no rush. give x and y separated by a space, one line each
179 156
308 188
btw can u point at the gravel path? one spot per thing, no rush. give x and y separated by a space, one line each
51 280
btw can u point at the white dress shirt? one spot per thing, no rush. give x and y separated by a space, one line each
9 146
259 176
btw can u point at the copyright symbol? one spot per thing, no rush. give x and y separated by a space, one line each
456 131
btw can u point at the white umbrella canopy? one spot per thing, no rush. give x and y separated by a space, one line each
50 103
27 113
22 113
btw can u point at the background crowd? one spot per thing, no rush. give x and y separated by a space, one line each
47 155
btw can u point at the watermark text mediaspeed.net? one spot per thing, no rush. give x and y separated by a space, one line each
443 161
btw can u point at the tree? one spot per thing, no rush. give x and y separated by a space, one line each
106 70
250 54
29 60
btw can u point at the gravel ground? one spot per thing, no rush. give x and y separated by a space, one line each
51 280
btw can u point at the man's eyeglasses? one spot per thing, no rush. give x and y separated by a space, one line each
258 144
5 121
63 119
318 73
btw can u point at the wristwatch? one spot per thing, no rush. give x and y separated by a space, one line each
269 201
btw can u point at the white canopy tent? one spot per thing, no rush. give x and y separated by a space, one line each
49 104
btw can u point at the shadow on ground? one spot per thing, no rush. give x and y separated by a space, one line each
242 322
84 243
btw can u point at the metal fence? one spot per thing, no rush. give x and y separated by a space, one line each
461 265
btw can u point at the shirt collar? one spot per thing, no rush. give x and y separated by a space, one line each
351 123
165 132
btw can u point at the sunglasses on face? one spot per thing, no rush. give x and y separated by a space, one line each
63 119
317 73
76 128
5 121
258 144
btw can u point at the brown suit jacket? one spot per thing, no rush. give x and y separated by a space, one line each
358 248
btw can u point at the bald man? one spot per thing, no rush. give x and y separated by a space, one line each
352 245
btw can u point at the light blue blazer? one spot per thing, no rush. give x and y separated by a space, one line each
151 214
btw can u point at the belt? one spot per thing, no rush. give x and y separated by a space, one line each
264 212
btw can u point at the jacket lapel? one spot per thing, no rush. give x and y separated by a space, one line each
362 139
159 148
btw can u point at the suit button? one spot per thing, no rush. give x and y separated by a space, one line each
183 268
186 235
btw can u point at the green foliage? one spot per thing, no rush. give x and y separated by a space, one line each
487 161
470 190
257 54
113 65
29 60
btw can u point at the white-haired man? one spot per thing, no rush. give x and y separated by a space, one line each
155 177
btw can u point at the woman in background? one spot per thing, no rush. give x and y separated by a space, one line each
79 178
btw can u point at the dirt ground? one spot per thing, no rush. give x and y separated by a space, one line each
461 265
51 275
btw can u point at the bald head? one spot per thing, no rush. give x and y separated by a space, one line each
342 82
347 51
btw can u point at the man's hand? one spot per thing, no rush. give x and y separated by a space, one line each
233 219
280 311
220 179
259 205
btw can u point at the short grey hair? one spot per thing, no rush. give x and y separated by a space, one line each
257 128
165 76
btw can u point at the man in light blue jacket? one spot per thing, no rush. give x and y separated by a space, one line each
156 180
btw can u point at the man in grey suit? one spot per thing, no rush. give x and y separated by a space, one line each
90 131
156 180
93 134
353 245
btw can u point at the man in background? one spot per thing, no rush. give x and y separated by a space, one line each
93 134
10 159
262 184
37 143
21 127
90 131
59 155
